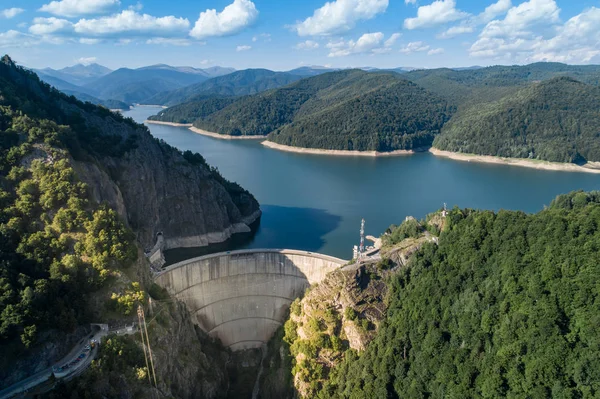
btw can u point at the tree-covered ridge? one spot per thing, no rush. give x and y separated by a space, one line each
487 84
56 246
555 120
399 117
340 110
239 83
507 305
190 111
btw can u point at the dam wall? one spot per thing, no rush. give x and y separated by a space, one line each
241 297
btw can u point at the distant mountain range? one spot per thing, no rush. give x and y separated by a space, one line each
239 83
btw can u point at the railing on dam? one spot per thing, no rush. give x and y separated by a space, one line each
241 297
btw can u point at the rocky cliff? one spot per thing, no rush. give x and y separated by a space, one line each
155 187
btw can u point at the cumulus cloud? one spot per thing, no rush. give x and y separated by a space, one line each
339 16
414 47
435 51
86 60
13 38
367 43
468 26
166 41
456 30
234 18
76 8
437 13
307 45
243 48
131 23
392 39
50 26
11 12
524 36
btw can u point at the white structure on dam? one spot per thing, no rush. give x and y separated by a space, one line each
241 297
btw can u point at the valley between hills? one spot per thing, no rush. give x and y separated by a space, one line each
457 302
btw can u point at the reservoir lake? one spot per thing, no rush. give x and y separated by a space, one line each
316 202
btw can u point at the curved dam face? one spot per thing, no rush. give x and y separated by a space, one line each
241 297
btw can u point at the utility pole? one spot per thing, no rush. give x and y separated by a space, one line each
140 313
142 320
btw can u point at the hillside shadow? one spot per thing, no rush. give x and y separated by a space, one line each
279 227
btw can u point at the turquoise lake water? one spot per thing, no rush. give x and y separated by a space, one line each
316 202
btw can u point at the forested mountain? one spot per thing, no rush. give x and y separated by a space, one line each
110 104
506 305
470 86
78 75
346 110
190 111
555 120
136 85
76 213
308 71
240 83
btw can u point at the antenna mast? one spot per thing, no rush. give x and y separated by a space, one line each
361 248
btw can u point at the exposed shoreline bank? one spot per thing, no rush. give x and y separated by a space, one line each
317 151
225 136
527 163
169 123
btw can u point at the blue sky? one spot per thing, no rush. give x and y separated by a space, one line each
285 34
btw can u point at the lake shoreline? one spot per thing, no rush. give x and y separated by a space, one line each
169 123
318 151
526 163
225 136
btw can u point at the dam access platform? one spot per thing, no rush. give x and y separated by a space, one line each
242 297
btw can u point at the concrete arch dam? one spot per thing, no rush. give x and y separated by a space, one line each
241 297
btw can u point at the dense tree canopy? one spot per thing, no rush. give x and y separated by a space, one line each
555 120
347 110
507 305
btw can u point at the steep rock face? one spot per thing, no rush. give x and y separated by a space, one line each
152 185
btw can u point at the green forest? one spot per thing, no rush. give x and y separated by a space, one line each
507 305
348 110
555 120
541 111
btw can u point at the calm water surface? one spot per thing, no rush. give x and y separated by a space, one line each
316 202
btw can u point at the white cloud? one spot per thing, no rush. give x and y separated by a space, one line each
76 8
455 31
410 1
243 48
50 26
234 18
414 47
11 12
169 41
468 26
86 60
494 10
85 40
437 13
532 32
435 51
131 23
390 42
340 16
307 45
367 43
13 38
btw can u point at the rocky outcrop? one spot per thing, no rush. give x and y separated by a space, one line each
156 189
